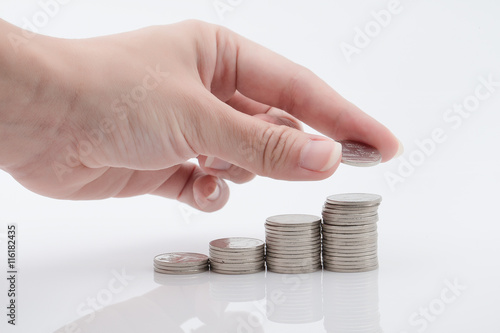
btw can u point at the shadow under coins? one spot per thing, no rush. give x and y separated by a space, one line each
253 303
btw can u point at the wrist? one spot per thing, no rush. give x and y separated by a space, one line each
29 91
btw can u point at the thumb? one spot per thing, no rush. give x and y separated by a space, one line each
263 148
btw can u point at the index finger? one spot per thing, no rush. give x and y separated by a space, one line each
269 78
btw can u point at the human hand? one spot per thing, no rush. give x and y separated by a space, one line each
120 115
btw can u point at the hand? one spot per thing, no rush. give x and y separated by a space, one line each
119 116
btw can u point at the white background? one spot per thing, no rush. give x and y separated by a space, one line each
438 223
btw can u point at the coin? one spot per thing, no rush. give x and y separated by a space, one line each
181 272
348 270
236 243
183 259
359 154
231 272
237 266
354 199
293 219
292 270
243 260
173 268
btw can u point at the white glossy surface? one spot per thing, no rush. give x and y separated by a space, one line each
438 227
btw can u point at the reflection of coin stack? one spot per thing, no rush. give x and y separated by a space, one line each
237 288
350 302
350 232
237 255
293 243
294 299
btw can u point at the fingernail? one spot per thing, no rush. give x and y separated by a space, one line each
320 155
216 163
215 194
401 149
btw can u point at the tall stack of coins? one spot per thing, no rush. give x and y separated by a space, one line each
350 232
293 243
237 255
181 263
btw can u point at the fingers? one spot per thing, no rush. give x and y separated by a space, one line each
271 79
186 183
220 168
261 147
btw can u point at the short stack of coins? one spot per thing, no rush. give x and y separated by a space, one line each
237 255
181 263
293 243
350 232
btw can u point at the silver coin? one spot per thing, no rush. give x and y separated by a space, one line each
352 268
308 239
349 250
358 263
335 208
354 199
222 271
351 236
334 257
182 272
292 233
290 270
180 268
343 270
346 253
332 238
307 264
237 252
285 228
292 263
294 256
181 259
234 267
237 243
291 249
350 224
288 242
350 229
235 260
295 219
349 217
348 210
359 154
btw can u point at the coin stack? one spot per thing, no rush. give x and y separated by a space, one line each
181 263
350 232
237 255
293 243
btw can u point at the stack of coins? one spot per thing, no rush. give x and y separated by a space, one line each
181 263
293 243
350 232
237 255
